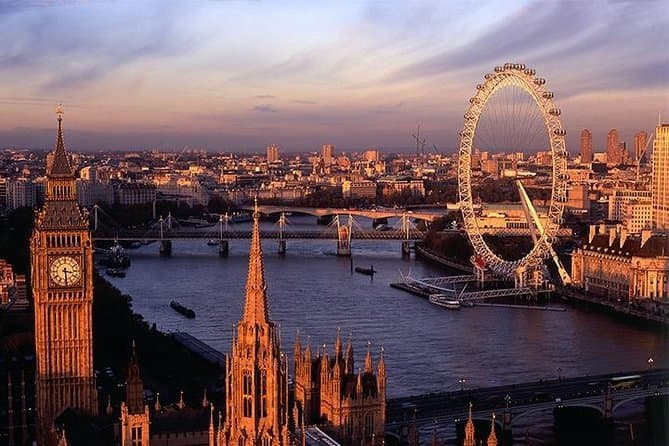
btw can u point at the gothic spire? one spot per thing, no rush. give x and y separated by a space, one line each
338 344
492 438
469 430
60 163
369 365
255 307
134 385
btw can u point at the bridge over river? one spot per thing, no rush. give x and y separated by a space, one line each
604 394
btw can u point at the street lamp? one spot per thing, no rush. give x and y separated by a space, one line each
462 382
650 362
559 370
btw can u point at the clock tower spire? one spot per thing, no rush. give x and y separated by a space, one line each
61 257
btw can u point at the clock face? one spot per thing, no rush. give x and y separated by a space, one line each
65 271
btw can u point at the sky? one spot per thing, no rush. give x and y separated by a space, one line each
239 75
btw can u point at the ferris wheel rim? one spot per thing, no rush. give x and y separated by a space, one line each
520 76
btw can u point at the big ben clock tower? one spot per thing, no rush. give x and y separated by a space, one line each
61 254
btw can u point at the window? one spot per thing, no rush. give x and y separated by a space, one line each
266 441
369 424
247 390
136 434
263 394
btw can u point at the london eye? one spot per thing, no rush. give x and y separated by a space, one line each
513 111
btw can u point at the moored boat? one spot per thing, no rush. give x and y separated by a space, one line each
445 301
368 271
115 272
185 311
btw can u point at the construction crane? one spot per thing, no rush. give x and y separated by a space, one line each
420 144
181 154
639 156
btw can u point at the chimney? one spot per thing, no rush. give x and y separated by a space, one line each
613 234
592 233
645 235
623 236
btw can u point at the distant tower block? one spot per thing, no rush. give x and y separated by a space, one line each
328 154
586 146
273 154
660 196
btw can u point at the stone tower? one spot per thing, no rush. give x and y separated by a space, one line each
61 253
256 380
134 413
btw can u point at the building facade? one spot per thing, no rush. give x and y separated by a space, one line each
329 391
256 407
61 253
273 154
624 266
586 146
640 142
661 178
620 198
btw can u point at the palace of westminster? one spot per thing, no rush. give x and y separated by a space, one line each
347 403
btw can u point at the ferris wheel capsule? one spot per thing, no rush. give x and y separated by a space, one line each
555 112
499 69
530 72
540 81
560 132
547 95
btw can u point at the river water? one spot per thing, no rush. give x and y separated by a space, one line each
427 348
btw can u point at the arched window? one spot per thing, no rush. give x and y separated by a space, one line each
266 441
369 424
263 393
247 394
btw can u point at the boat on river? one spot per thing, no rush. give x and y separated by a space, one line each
212 242
445 301
115 272
368 271
185 311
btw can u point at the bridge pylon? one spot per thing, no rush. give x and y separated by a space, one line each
165 248
223 246
344 236
282 241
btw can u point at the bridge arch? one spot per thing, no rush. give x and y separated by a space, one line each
552 407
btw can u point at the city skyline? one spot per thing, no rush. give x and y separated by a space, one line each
356 75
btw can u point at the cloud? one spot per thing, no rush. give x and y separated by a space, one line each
265 108
305 102
264 96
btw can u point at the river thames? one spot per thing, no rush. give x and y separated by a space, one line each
427 348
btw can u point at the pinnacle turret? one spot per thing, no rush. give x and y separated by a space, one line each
369 365
255 308
469 430
60 162
134 385
492 438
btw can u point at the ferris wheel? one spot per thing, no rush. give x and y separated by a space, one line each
513 110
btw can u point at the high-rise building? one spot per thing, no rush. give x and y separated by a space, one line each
328 153
61 253
613 152
661 177
273 153
257 372
640 141
586 146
